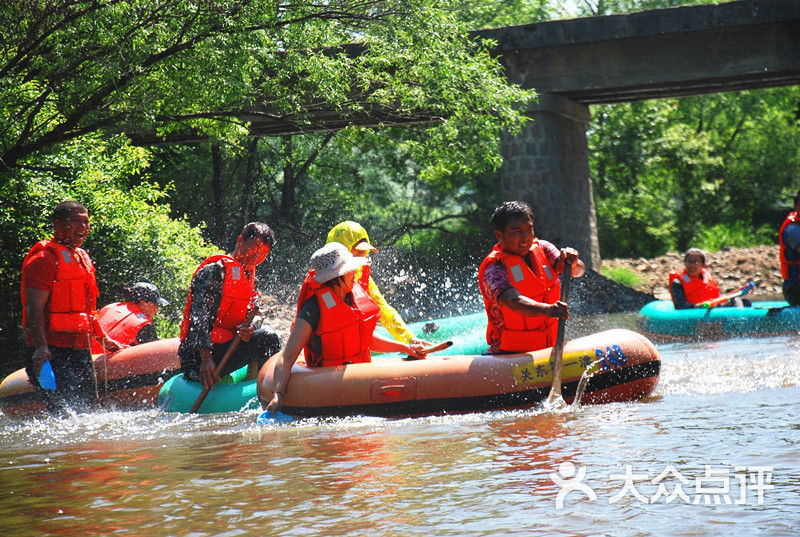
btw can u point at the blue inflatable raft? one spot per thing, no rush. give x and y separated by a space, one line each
661 319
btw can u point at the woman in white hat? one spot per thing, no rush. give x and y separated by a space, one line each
354 237
335 325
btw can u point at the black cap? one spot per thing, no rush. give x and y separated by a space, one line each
146 291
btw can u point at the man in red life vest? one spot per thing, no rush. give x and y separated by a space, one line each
694 284
789 240
59 295
130 322
519 283
221 293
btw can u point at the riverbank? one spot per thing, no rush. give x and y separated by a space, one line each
455 292
732 268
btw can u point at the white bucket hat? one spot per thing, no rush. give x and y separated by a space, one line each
332 260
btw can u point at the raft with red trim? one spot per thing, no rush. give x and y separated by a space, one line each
624 365
128 379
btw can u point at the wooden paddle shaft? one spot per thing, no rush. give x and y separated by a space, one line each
436 348
558 349
223 362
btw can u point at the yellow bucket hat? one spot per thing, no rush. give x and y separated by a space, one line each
350 233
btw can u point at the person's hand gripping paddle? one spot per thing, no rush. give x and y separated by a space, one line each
202 397
554 398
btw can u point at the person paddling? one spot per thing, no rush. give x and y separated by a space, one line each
335 325
221 293
519 283
354 237
695 285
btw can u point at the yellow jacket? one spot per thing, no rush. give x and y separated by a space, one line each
350 233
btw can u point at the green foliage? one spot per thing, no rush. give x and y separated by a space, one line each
666 170
132 238
735 235
209 69
622 276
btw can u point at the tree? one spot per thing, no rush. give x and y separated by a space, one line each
666 171
199 70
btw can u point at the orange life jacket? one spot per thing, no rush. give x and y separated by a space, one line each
345 331
785 263
517 332
697 290
237 295
310 285
73 295
121 321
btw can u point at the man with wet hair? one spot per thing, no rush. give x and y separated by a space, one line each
221 293
59 297
519 283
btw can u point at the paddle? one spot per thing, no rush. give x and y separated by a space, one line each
47 379
436 348
267 418
558 350
223 362
713 303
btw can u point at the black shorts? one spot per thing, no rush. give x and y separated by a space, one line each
75 381
264 343
791 292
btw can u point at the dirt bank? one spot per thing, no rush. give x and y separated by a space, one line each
454 292
732 268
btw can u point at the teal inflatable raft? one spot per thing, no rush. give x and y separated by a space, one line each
231 394
467 332
661 320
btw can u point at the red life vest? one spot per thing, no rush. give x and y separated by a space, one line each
785 264
517 332
697 290
73 295
121 321
345 331
310 285
237 294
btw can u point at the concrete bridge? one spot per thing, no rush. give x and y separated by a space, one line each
574 63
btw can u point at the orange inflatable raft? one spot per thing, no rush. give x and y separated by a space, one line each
128 379
621 365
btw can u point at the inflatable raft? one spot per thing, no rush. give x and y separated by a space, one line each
624 366
661 320
231 394
129 379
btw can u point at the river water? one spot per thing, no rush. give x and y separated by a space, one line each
713 452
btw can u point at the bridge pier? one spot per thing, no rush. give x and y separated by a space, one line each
547 166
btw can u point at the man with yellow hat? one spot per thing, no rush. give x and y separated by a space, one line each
354 237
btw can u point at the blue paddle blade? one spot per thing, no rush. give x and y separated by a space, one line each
267 418
47 379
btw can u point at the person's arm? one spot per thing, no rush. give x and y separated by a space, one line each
286 357
381 344
36 300
389 317
571 255
791 237
678 295
513 300
146 334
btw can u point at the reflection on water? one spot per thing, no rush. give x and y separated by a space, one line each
721 411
